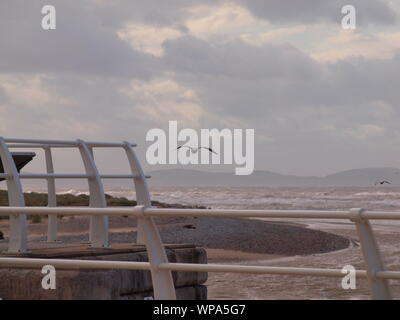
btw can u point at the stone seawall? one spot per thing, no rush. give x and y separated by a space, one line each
86 284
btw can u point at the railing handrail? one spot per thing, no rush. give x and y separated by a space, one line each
36 143
71 176
140 211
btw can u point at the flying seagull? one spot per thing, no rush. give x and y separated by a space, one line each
382 182
195 150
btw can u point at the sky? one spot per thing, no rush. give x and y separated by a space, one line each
321 99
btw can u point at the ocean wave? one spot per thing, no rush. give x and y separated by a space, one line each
276 198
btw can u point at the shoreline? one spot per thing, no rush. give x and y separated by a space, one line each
231 237
249 236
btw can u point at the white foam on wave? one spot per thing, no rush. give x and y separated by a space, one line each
378 193
266 198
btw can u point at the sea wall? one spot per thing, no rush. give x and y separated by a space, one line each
25 283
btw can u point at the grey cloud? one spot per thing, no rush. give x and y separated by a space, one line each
3 96
246 80
80 44
156 12
237 59
86 42
312 11
87 107
172 12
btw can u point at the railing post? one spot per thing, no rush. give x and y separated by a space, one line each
163 283
18 225
379 287
141 187
98 235
51 198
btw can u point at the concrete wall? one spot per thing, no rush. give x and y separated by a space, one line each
23 283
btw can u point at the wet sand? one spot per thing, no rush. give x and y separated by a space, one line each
254 287
245 235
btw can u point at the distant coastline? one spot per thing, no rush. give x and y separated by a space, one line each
365 177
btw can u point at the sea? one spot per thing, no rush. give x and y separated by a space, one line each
287 198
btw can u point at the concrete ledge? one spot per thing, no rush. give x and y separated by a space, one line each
25 283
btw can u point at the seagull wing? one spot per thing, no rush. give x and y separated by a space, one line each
209 149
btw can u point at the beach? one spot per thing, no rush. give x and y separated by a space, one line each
245 286
269 242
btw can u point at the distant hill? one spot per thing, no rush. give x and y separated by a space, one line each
356 177
185 177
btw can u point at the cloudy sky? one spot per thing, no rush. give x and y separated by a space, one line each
320 98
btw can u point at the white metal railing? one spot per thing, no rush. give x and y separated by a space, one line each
148 234
98 235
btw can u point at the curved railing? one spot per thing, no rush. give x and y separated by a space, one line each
148 234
